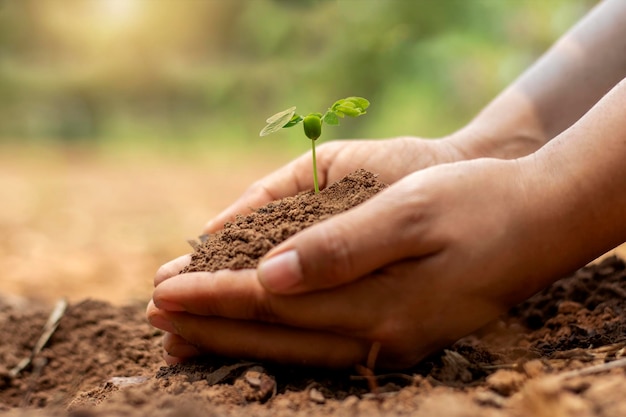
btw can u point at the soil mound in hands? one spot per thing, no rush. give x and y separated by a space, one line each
105 360
243 242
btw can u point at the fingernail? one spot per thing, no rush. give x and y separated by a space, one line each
168 305
160 323
209 226
281 272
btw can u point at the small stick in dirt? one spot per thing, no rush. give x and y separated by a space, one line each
367 371
595 369
49 328
193 243
38 365
226 371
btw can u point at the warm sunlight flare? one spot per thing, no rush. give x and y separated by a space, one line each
116 14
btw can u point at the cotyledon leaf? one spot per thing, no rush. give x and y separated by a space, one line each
278 121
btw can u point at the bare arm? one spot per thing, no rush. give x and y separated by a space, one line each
556 91
582 175
548 98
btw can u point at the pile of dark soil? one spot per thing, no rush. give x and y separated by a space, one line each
548 356
243 242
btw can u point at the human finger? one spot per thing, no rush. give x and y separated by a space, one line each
334 160
262 341
171 268
390 226
392 159
239 295
176 349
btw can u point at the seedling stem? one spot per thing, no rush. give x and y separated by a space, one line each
315 181
312 123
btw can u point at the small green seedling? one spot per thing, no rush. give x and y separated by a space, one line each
351 106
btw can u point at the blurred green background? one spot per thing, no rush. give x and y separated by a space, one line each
152 72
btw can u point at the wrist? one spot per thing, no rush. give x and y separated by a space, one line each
479 141
574 211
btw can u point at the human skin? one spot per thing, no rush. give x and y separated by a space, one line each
456 248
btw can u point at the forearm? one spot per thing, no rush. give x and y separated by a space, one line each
556 91
578 186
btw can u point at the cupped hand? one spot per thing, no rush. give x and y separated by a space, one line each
391 159
426 261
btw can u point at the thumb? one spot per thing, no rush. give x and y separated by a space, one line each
341 249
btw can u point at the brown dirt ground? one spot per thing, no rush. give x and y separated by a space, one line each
547 357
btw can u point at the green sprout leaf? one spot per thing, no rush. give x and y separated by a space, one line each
312 123
348 109
295 119
351 106
330 118
279 120
360 103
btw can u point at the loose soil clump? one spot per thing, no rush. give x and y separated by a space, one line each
548 356
243 242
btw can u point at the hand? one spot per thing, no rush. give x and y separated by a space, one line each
425 262
391 159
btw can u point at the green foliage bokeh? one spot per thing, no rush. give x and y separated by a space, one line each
141 70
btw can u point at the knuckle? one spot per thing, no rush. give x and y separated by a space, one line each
259 190
263 309
388 331
414 219
397 351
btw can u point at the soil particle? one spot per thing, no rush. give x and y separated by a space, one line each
585 310
256 384
316 396
505 382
